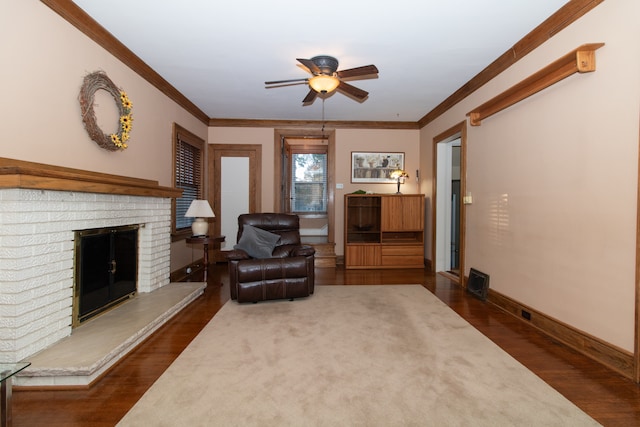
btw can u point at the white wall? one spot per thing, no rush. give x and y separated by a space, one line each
554 180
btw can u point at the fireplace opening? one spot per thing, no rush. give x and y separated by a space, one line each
106 270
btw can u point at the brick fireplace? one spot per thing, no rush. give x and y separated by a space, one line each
41 207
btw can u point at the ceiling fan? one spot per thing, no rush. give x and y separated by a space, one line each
326 78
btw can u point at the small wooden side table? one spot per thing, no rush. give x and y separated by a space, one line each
206 241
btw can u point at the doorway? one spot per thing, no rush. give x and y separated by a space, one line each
316 228
449 209
307 141
234 187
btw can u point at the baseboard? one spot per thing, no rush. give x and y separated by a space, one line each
181 274
609 355
427 265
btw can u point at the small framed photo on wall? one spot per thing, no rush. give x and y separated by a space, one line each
374 167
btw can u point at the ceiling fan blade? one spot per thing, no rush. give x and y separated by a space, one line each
311 96
279 82
358 71
353 91
313 68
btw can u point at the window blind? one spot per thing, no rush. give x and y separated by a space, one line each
188 175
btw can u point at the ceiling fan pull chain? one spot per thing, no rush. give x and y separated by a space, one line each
323 118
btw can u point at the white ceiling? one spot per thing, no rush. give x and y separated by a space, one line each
220 53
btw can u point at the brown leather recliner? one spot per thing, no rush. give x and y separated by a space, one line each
288 273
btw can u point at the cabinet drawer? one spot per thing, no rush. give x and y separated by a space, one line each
362 255
402 261
402 251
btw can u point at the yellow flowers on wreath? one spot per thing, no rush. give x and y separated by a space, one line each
91 83
126 122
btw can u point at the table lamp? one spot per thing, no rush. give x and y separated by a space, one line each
200 209
399 175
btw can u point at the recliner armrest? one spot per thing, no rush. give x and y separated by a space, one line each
237 255
304 250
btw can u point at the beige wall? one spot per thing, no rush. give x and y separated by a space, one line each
348 140
406 141
554 180
257 136
44 61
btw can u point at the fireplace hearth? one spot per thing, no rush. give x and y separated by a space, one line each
42 206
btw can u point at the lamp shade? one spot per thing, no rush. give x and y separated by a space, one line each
200 209
399 173
323 83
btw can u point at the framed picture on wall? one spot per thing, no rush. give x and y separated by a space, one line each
373 167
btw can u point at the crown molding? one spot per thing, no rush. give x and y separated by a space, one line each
565 16
333 124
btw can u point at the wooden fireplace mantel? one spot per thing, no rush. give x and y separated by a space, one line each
39 176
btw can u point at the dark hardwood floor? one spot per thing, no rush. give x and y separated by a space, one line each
605 395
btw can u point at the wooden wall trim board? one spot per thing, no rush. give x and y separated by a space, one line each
580 60
312 124
636 374
38 176
566 15
609 355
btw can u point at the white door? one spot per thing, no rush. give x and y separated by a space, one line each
446 171
234 187
234 196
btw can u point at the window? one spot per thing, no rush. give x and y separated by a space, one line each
308 181
188 158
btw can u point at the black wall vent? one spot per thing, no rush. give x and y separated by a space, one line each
478 284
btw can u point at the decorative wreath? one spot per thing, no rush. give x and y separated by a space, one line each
90 85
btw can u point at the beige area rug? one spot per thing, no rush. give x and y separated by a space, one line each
349 356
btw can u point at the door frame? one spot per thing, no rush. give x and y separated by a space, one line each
214 156
456 131
279 135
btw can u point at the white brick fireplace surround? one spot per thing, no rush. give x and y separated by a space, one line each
40 209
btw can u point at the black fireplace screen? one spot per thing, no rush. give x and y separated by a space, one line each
105 269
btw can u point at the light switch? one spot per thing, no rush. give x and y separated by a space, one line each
467 200
339 186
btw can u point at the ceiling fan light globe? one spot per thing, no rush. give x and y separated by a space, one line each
323 83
